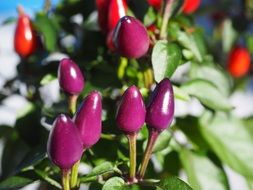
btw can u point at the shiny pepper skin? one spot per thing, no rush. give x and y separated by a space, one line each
25 39
130 115
70 77
131 38
160 110
239 62
117 10
64 146
88 119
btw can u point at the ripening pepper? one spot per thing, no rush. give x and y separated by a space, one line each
131 38
25 38
70 77
190 6
64 144
88 119
239 62
160 110
130 115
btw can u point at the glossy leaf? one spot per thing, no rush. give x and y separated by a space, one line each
213 74
14 182
207 93
165 59
172 183
230 140
192 42
114 183
49 31
202 173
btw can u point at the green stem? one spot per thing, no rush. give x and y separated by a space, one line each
166 16
72 104
74 175
153 134
65 180
122 67
132 151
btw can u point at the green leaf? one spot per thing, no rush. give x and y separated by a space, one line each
192 42
213 74
149 17
9 20
32 158
207 93
14 182
180 94
165 59
47 28
47 79
202 173
101 169
46 178
172 183
114 183
230 140
228 35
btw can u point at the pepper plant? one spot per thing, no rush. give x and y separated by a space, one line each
124 68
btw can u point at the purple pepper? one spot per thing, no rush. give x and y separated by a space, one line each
88 119
130 115
64 144
160 111
131 37
70 77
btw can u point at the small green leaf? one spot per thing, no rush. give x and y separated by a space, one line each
47 79
192 42
172 183
48 179
202 173
101 169
180 94
150 17
48 29
213 74
165 59
230 140
207 93
14 182
228 35
114 183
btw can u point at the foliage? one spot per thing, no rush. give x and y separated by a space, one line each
213 139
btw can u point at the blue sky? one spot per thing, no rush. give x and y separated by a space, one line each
8 7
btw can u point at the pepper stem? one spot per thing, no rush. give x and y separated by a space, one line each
74 175
132 152
153 134
72 104
65 180
166 16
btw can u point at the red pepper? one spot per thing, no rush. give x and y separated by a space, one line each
117 9
25 39
155 3
190 6
103 9
239 62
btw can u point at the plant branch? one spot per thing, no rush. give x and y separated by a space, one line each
65 180
132 152
166 17
153 134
